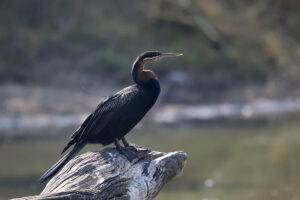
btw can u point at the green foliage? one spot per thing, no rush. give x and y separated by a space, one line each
92 38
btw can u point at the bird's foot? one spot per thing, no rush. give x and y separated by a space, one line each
133 147
129 152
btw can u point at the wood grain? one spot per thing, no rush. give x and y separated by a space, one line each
107 174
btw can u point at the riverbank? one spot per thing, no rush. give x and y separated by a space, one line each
38 107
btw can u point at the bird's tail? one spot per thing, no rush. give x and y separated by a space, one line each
57 166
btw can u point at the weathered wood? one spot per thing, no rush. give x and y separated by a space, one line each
109 175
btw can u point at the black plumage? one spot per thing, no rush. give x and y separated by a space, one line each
116 115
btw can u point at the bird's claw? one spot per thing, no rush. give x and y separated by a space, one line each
129 152
132 147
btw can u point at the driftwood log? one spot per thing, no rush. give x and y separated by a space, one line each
109 175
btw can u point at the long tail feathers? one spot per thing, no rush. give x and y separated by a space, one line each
67 146
57 166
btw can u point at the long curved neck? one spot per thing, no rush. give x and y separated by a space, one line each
139 74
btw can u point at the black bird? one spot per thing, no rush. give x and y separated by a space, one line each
116 115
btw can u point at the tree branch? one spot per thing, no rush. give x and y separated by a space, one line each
109 175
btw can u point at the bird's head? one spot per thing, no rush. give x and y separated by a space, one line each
150 56
140 75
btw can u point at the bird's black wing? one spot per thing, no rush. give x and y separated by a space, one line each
102 114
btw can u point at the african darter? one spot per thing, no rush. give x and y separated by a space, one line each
116 115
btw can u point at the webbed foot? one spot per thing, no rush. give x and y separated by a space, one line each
130 152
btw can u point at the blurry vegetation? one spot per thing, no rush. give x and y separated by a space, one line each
259 40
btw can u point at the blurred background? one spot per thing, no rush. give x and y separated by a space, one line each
232 102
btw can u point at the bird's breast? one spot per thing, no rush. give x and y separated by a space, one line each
136 109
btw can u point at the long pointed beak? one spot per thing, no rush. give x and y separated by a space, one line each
171 54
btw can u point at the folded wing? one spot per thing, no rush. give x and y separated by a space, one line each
104 112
